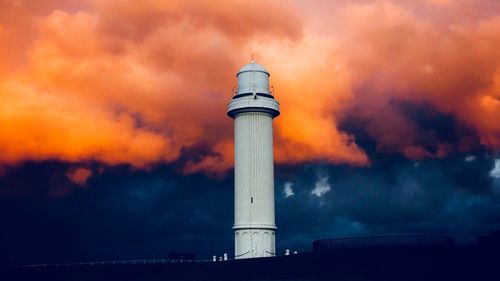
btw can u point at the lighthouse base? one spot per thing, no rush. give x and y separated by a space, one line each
254 243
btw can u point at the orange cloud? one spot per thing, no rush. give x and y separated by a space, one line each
141 83
450 65
104 84
79 176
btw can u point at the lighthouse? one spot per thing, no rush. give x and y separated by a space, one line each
253 108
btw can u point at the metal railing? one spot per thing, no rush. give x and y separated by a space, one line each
116 262
255 89
129 262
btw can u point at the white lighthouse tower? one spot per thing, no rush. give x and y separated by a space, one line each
253 108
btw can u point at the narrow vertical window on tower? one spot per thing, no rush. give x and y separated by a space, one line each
253 109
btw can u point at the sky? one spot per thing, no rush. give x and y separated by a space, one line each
115 144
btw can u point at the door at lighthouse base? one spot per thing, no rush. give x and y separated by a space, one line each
255 245
255 251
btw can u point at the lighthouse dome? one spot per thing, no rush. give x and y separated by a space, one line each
252 66
253 78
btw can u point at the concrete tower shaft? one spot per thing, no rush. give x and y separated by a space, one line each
253 108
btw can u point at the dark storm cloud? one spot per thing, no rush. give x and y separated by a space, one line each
450 196
36 180
124 213
413 130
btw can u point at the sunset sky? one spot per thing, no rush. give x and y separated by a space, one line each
114 139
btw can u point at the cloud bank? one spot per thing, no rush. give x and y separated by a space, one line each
143 83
